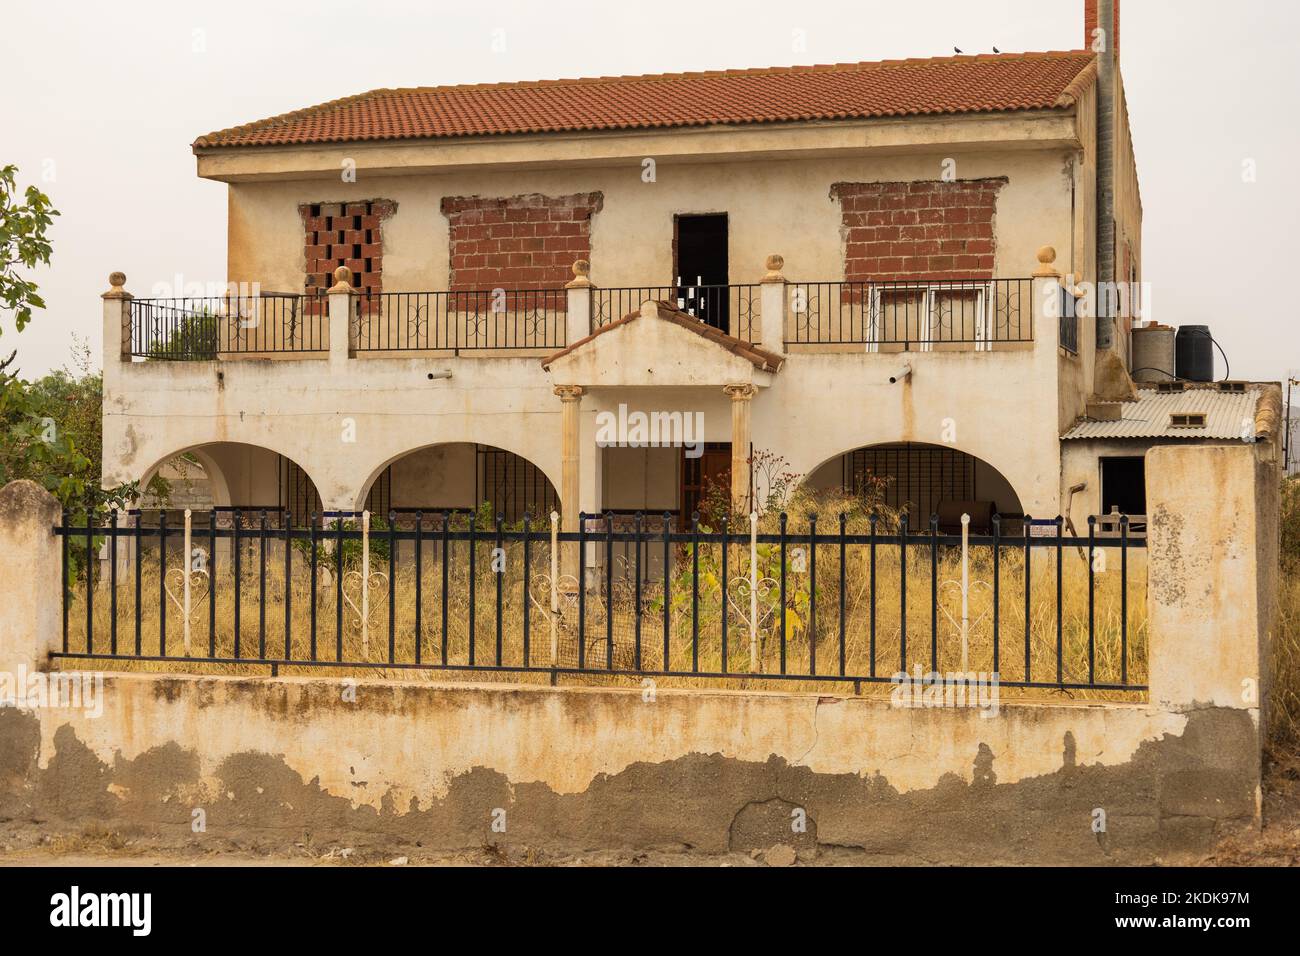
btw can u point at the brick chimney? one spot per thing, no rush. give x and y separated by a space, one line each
1090 24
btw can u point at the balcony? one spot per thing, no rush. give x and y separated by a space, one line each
952 314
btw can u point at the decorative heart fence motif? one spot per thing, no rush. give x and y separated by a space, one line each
748 595
191 574
753 590
556 594
963 588
357 585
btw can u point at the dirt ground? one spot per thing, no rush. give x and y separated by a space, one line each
1277 844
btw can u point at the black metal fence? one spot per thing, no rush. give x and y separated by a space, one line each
857 602
731 308
906 314
204 328
492 319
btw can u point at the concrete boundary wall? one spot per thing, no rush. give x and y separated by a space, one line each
272 761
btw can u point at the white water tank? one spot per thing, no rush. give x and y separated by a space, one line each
1153 353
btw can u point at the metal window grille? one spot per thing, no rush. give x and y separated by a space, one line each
919 476
513 485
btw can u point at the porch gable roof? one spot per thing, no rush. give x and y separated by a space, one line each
603 356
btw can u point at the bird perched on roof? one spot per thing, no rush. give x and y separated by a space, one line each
996 50
956 50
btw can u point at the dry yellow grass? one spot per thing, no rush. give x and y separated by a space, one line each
1284 663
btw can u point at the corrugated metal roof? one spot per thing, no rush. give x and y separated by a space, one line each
1226 413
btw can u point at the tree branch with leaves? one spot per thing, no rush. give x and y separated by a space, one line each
49 429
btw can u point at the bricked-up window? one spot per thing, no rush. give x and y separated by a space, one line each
345 234
517 242
918 230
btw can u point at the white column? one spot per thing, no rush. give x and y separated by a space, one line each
772 306
342 300
570 465
741 402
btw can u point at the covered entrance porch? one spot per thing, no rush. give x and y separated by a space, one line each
656 413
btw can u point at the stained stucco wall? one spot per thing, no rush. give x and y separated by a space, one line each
345 426
773 206
582 768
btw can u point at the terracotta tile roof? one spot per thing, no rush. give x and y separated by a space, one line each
954 84
761 358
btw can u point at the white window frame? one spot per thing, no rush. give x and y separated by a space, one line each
983 316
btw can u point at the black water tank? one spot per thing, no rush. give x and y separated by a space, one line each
1194 353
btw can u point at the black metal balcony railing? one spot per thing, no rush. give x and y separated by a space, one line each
731 308
885 316
911 314
460 321
203 328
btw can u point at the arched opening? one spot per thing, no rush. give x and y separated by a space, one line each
224 477
460 476
926 480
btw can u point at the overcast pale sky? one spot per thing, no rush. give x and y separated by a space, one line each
105 99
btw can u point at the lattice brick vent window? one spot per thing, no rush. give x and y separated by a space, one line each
345 234
1187 420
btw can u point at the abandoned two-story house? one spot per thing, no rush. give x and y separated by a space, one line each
602 294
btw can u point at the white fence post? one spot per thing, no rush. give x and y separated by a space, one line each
555 585
753 592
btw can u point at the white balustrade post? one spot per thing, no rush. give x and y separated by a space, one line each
578 315
342 303
772 307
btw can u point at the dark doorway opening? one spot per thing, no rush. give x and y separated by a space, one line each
1124 485
704 477
700 267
